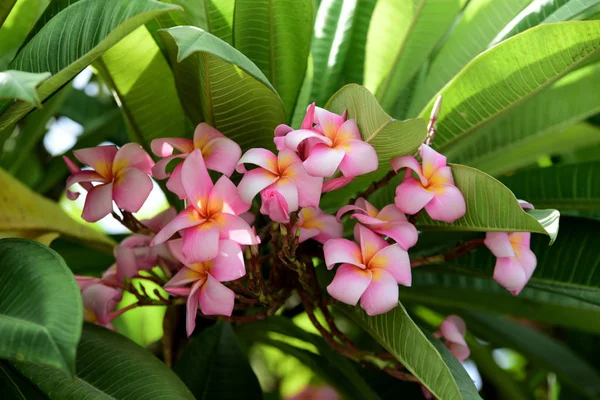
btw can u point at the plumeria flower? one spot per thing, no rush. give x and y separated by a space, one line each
99 300
434 190
283 129
205 278
282 181
316 393
220 154
370 271
317 225
212 216
390 221
333 143
121 175
453 330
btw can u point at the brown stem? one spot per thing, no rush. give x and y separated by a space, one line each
457 252
374 186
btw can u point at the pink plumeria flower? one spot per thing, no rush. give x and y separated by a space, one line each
99 300
282 130
316 393
333 143
390 221
453 330
205 278
121 175
282 181
212 216
317 225
434 190
220 154
370 272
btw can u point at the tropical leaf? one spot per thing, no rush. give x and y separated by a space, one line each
401 36
14 386
25 211
399 335
354 66
21 86
539 127
70 46
509 74
478 25
389 137
40 306
276 36
135 69
214 366
82 260
109 366
5 9
539 349
221 86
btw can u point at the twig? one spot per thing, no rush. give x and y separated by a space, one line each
457 252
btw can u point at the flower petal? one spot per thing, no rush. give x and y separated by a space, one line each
84 178
288 189
432 160
159 171
164 147
338 251
295 138
201 242
349 284
98 203
499 244
348 131
525 205
235 228
411 197
409 162
101 300
347 208
391 213
174 183
126 262
192 307
448 205
229 263
394 259
100 158
360 158
328 121
453 329
131 188
382 294
187 218
132 155
309 117
183 277
336 183
161 219
226 194
527 259
323 160
195 179
275 206
403 233
509 273
260 157
253 182
216 298
222 155
370 242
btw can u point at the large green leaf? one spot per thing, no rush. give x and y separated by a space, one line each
401 36
510 73
539 126
355 59
479 23
40 306
566 187
491 206
136 68
389 137
73 39
276 36
399 335
109 366
14 386
214 366
5 9
21 86
539 349
221 86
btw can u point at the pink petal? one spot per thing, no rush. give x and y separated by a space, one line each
323 160
442 176
235 228
370 222
338 251
460 351
204 134
279 143
509 273
174 183
348 131
525 205
131 188
403 233
248 217
101 300
126 262
331 229
229 263
369 208
328 121
360 158
308 187
295 138
260 157
164 147
282 130
201 242
192 307
432 160
349 284
178 291
411 197
226 193
132 155
309 117
84 178
222 155
288 189
453 329
499 244
86 281
311 233
347 208
527 259
336 183
183 277
71 166
409 162
448 205
99 158
159 171
195 179
216 298
520 238
382 294
161 219
394 259
98 203
253 182
187 218
370 242
275 206
391 213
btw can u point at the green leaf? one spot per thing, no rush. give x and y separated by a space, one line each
550 11
221 86
355 59
40 306
82 260
14 386
399 335
401 36
5 9
109 366
389 137
478 25
539 126
539 349
135 67
26 211
71 46
330 44
219 18
276 36
22 86
566 187
509 74
214 366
